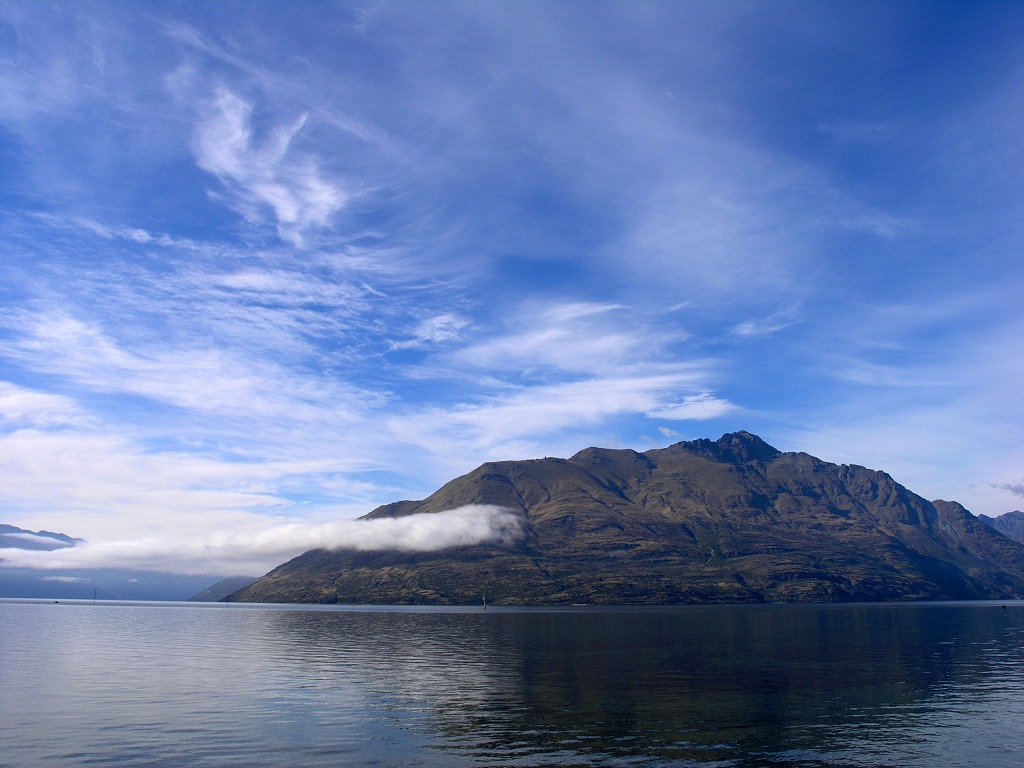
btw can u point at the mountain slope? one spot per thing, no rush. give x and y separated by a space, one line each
222 589
733 520
1011 524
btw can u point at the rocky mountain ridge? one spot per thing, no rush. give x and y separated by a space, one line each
1010 524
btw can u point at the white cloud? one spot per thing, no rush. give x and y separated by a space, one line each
521 417
559 314
130 234
103 488
22 407
271 174
258 549
561 369
773 323
694 407
204 380
435 330
591 338
93 483
563 349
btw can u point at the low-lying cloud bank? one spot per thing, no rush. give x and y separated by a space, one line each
256 552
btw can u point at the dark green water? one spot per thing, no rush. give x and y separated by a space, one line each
200 685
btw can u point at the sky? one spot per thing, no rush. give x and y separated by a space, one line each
266 266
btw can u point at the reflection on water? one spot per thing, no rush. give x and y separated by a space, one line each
155 685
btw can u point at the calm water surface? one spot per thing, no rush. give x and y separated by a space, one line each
158 684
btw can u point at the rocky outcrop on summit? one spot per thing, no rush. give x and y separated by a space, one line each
732 520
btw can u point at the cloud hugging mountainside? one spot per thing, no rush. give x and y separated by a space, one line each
733 520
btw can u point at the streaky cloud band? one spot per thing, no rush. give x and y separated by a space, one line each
261 550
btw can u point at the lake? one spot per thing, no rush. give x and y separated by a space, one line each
175 684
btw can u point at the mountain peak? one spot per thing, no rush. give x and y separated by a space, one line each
733 448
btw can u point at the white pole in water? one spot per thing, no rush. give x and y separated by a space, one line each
94 596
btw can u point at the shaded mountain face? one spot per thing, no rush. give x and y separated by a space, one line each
1011 524
732 520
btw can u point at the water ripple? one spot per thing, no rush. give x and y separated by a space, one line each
786 686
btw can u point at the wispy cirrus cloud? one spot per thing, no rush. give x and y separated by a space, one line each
553 370
572 337
441 328
131 234
207 379
698 407
522 419
765 326
23 407
265 174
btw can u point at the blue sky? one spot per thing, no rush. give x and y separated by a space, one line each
266 266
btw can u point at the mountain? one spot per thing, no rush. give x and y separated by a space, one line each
12 537
1011 524
732 520
223 589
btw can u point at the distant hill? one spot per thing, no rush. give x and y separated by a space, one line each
85 583
104 583
222 589
12 537
1011 524
734 520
